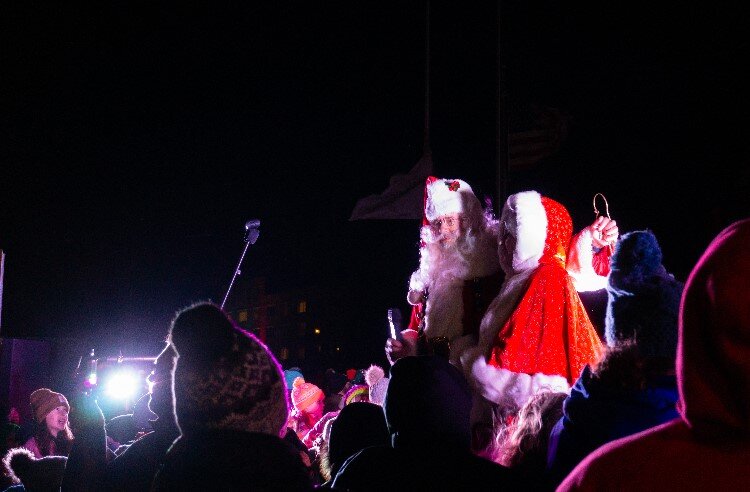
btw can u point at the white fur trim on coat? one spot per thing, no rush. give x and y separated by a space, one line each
504 387
580 263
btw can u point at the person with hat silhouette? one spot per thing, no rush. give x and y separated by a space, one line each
308 412
707 446
633 387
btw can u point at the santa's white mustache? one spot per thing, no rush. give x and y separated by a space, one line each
448 236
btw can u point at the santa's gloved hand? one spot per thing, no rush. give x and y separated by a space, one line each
604 232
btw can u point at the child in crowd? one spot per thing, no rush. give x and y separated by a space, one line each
53 436
307 400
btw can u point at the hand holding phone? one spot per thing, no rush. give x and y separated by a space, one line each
394 322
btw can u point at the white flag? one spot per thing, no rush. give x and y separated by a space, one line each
403 199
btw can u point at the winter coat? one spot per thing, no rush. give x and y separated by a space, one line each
595 414
134 469
427 409
708 446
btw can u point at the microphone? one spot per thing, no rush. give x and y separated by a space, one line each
251 231
251 235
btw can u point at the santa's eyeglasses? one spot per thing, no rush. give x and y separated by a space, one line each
448 222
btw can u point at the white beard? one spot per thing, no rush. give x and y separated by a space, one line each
442 271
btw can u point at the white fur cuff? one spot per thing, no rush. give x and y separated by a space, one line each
504 387
580 263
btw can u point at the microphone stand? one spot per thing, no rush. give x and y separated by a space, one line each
251 235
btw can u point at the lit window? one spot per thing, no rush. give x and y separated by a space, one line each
242 316
302 308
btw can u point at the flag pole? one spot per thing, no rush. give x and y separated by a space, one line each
426 144
503 171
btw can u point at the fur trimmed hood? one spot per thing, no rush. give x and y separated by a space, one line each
535 333
43 474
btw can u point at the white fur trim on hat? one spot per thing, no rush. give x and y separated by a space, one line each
449 196
525 219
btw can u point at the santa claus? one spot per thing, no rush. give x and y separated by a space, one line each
458 275
536 333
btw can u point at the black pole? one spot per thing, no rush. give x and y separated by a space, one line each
2 273
503 171
426 145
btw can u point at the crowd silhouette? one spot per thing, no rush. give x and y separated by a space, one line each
664 405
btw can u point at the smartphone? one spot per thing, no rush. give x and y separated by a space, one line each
394 322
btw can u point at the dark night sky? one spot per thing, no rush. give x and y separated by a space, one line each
138 137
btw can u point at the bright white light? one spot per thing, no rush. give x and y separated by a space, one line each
122 385
92 379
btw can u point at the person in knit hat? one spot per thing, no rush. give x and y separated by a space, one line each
231 408
224 377
378 384
458 272
707 447
52 436
634 386
357 393
309 419
307 397
290 375
643 299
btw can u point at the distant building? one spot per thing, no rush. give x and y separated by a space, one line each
302 326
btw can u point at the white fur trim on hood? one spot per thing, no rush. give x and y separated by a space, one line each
524 218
